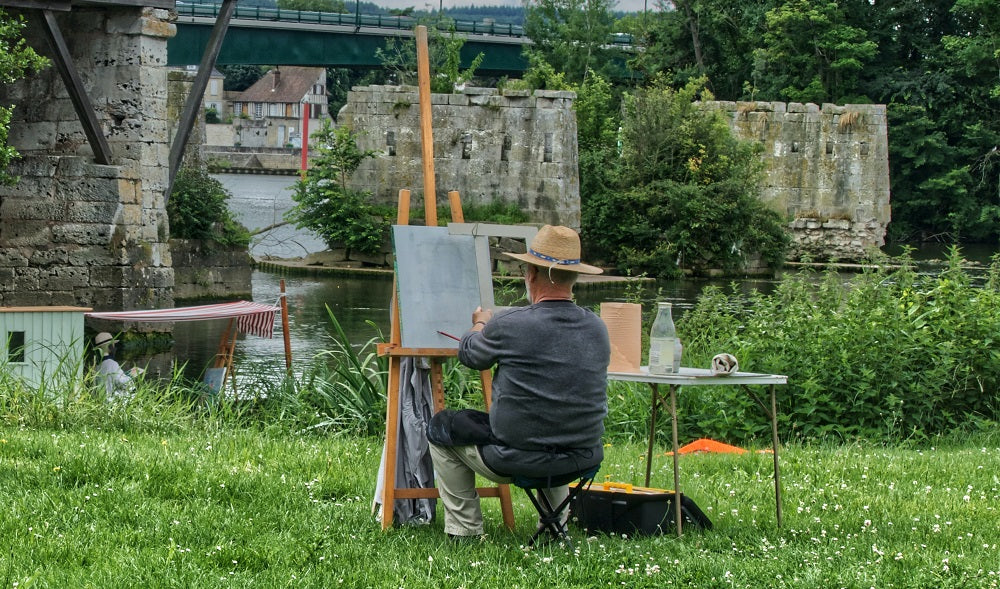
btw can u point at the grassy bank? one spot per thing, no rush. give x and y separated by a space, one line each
221 506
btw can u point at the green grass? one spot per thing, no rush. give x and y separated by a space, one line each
209 504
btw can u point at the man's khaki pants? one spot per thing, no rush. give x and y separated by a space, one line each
455 468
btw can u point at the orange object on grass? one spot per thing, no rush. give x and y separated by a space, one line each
707 445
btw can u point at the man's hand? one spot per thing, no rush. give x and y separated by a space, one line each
480 318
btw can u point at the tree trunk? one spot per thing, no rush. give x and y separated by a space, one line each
692 21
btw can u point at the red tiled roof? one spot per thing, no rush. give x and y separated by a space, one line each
293 83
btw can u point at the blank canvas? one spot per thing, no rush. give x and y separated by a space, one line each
438 286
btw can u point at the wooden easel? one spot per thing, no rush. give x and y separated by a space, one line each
224 355
394 350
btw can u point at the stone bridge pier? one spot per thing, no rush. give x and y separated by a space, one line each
87 225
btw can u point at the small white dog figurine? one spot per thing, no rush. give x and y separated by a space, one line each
724 364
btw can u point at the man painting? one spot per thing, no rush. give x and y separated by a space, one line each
549 390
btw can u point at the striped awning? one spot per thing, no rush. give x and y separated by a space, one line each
253 318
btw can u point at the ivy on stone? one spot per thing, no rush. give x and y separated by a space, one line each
16 60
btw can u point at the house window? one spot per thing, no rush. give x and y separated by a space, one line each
15 347
213 87
258 110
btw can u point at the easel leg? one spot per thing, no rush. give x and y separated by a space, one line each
391 441
437 384
506 507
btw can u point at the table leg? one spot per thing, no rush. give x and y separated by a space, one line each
652 429
677 478
774 448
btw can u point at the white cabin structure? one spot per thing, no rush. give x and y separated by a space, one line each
42 346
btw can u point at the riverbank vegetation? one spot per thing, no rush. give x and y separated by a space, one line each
888 463
211 504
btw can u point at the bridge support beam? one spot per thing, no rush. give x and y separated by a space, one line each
193 103
77 94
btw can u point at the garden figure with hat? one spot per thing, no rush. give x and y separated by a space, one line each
549 395
117 382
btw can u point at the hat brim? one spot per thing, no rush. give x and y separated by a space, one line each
536 261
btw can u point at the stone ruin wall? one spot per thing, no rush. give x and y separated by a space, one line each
515 146
73 232
827 170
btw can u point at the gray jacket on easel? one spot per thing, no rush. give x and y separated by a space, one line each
549 390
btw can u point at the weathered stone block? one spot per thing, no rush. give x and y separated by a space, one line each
25 233
12 258
17 210
34 137
89 189
92 212
64 278
81 233
478 91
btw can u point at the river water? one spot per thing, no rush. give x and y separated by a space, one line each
361 304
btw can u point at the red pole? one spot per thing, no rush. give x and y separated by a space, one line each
305 137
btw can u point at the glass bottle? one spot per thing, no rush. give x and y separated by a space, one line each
662 341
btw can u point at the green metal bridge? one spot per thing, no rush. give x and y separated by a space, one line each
270 36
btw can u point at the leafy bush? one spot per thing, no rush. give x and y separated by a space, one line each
197 210
212 116
685 194
895 354
327 205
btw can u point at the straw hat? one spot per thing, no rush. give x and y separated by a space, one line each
104 339
555 246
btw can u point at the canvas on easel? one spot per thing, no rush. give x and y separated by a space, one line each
438 283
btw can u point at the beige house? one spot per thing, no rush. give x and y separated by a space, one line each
271 112
214 96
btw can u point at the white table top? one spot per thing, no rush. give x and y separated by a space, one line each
698 377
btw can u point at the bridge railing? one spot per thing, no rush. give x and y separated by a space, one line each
211 10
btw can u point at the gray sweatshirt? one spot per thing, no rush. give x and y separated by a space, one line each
549 389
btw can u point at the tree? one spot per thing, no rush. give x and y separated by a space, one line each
326 204
597 119
16 60
694 38
313 5
573 37
444 54
240 77
936 71
686 191
809 53
976 58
